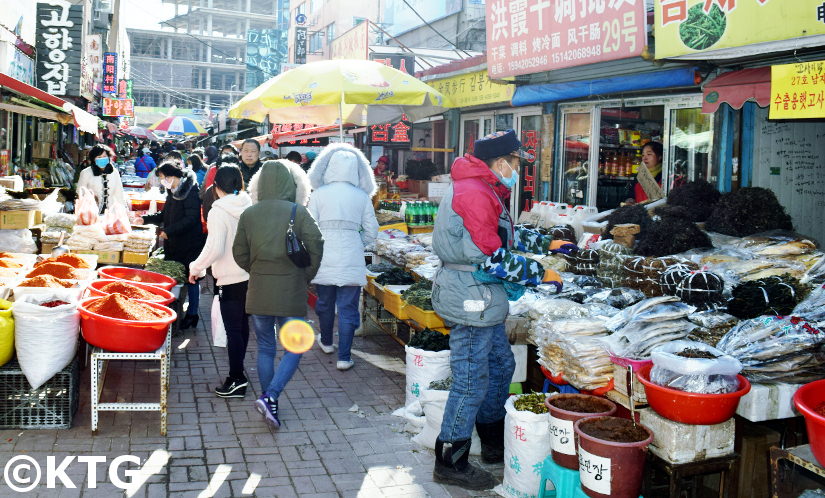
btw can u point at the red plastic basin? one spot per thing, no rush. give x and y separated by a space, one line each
140 276
807 399
164 296
691 408
124 336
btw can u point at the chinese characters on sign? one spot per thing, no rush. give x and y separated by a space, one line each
351 45
118 107
266 50
58 43
300 45
124 89
530 141
110 72
391 135
798 90
473 89
404 63
290 128
527 36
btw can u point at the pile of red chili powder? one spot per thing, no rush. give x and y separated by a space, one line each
72 260
130 291
59 270
45 281
119 306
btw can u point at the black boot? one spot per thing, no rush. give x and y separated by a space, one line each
452 467
492 441
189 322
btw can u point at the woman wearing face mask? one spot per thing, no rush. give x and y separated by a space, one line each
474 237
102 178
181 233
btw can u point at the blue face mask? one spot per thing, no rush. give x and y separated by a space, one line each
101 162
513 180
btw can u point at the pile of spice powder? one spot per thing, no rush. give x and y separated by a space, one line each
59 270
4 263
53 304
45 281
72 260
130 291
119 306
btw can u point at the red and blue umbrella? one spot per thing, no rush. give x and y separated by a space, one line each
178 125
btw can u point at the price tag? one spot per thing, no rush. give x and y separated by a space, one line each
594 472
561 434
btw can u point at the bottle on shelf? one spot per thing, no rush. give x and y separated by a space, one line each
636 162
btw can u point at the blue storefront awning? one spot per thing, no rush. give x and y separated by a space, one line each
554 92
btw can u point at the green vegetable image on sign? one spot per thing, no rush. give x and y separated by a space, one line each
712 97
700 30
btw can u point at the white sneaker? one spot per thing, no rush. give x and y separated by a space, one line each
326 349
344 365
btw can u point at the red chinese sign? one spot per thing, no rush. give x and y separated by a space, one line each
110 72
118 107
391 135
530 142
529 36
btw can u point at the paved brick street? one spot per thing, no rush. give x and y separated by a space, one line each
324 448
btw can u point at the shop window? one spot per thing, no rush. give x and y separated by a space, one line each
330 32
316 42
691 140
574 153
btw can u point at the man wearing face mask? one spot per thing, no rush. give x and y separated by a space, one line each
473 237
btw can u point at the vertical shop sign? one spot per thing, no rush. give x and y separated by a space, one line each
124 89
530 142
404 63
391 134
300 45
118 107
540 35
110 72
798 90
59 44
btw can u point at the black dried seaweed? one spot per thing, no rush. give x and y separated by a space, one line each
777 295
748 211
637 215
698 198
430 340
396 276
671 235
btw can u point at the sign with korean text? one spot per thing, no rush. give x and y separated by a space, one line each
110 72
528 36
124 89
118 107
798 91
300 45
354 44
700 27
391 134
59 47
474 88
404 63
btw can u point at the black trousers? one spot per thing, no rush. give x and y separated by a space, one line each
236 322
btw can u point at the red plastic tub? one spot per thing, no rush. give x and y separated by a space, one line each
807 399
164 296
140 276
691 408
124 336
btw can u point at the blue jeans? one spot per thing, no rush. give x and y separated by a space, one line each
272 382
482 364
345 298
194 293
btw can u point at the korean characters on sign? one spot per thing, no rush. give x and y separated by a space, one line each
58 43
118 107
528 36
391 134
798 90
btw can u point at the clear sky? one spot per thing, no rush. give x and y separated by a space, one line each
145 14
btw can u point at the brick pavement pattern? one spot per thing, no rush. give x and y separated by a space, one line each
222 447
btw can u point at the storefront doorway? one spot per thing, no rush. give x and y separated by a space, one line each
602 144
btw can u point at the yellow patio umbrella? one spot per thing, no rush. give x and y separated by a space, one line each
340 91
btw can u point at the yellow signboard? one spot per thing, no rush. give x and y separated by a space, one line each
696 27
473 89
798 91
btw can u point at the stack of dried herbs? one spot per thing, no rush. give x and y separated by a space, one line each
420 295
533 402
430 340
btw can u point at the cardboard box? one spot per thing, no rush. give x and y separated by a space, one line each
621 376
14 220
14 182
47 248
134 258
104 257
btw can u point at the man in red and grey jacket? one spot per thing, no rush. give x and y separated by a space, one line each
473 237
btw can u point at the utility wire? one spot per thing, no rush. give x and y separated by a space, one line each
148 80
436 31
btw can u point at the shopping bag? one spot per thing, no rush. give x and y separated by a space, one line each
218 330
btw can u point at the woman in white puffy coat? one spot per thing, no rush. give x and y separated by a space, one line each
343 185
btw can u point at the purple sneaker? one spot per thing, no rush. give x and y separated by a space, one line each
268 407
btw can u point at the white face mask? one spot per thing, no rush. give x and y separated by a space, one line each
167 183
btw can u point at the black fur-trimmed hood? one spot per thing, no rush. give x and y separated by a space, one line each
187 182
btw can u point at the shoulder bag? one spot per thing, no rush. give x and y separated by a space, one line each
295 249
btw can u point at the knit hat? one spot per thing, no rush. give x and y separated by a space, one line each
384 159
311 155
500 143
